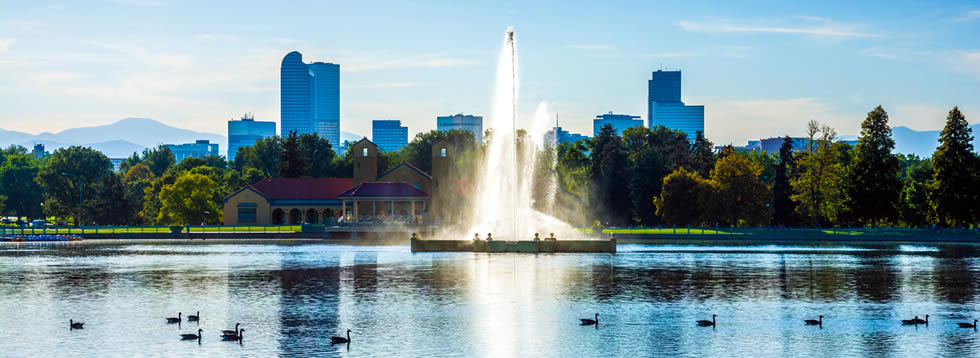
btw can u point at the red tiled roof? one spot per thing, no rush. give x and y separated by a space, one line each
303 188
384 190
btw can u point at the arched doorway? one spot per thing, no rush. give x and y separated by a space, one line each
311 217
277 217
328 216
295 216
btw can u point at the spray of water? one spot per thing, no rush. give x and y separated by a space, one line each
503 204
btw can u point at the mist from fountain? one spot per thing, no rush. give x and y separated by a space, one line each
503 202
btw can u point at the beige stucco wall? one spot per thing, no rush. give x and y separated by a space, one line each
262 210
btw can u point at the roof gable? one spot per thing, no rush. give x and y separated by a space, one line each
384 190
405 164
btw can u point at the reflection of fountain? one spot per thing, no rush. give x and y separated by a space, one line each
504 201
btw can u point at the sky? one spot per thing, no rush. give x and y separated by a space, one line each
761 69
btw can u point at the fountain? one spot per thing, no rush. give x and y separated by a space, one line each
503 201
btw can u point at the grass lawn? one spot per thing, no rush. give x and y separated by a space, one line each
151 229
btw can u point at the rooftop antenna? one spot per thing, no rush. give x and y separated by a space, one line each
556 119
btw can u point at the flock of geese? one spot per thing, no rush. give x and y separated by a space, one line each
236 334
809 322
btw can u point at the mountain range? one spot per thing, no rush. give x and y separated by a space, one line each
119 139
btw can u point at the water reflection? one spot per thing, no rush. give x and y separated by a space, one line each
291 298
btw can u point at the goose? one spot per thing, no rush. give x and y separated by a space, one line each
706 323
229 332
234 336
813 322
967 325
336 340
919 321
75 325
194 317
911 321
174 319
190 336
590 322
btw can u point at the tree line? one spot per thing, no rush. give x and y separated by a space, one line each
656 176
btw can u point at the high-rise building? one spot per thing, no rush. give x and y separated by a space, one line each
309 97
557 136
389 135
199 149
245 132
664 106
462 121
619 122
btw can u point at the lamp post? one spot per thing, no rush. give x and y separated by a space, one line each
79 183
205 217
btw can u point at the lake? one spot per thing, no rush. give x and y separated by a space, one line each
290 297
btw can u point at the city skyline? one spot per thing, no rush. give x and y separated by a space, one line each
775 66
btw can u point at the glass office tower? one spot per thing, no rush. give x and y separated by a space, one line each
389 135
309 97
245 132
462 121
618 121
664 106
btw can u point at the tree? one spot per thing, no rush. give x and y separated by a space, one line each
69 169
782 205
817 190
953 192
318 153
914 206
684 197
159 159
609 176
24 195
873 186
292 162
135 182
419 150
108 204
188 201
738 197
645 170
263 156
702 155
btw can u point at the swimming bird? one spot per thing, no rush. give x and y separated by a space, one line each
967 325
911 321
194 317
174 319
919 321
190 336
75 325
229 332
813 322
590 322
234 336
336 340
706 323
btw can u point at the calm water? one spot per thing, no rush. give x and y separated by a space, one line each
290 298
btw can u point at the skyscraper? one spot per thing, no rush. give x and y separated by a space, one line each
389 135
245 132
619 121
664 106
309 97
199 149
462 121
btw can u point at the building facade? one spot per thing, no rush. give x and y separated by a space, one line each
198 149
618 121
245 132
389 135
309 97
462 121
557 136
665 108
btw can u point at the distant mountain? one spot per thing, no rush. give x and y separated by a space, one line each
119 139
922 143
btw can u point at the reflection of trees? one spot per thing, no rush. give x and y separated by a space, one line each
309 298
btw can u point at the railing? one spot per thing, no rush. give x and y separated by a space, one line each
795 231
196 229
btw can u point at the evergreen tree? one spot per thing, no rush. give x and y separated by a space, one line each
783 206
953 192
873 186
702 156
292 162
609 176
915 203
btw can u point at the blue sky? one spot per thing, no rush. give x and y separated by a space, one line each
760 68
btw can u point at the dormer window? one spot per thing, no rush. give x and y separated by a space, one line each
364 152
442 152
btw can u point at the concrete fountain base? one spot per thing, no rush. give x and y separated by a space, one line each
528 246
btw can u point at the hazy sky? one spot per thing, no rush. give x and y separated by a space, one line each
760 69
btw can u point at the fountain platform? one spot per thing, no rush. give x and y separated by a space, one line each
524 246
